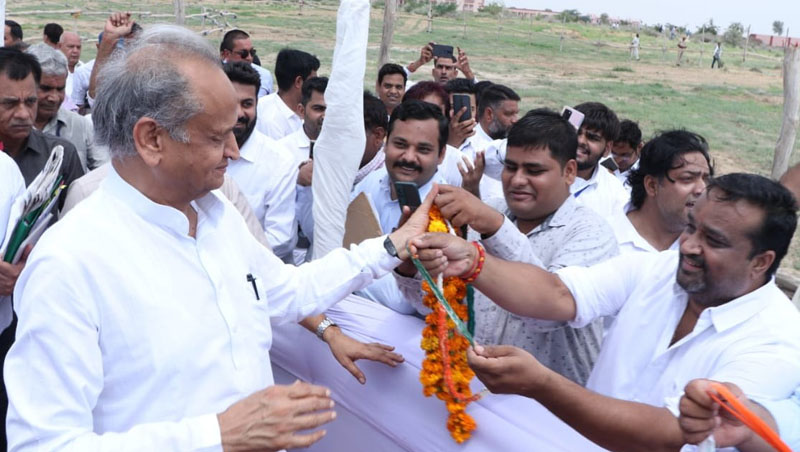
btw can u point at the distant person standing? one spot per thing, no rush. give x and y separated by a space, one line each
635 47
717 59
681 48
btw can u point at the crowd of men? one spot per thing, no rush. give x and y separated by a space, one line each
615 277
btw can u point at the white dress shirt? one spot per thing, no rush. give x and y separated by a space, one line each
376 187
12 186
275 118
602 193
80 83
79 131
629 239
266 80
787 415
490 187
267 176
752 341
133 335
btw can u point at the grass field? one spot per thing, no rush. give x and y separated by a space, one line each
738 109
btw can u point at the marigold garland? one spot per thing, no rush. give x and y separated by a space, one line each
445 372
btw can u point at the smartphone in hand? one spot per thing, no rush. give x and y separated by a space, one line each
460 101
407 195
441 50
573 116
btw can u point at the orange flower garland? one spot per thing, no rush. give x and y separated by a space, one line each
445 372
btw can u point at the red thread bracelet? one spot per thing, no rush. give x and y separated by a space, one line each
476 270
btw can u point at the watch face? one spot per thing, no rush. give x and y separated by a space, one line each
390 247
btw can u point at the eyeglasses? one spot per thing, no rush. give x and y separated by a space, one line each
244 52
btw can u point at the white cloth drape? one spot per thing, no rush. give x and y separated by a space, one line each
340 146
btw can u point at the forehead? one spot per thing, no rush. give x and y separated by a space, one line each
215 93
243 43
734 219
622 147
12 87
394 79
317 98
509 105
691 161
416 130
70 39
244 91
445 62
539 155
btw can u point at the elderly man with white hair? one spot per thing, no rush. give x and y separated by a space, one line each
52 119
144 315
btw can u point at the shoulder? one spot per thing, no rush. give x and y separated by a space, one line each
371 182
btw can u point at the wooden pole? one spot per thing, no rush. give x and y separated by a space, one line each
430 16
561 39
464 17
791 111
180 11
389 13
746 43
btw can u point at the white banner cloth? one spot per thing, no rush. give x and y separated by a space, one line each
391 403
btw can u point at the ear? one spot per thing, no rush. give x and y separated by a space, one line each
639 148
379 133
609 146
148 140
570 171
301 110
224 54
650 185
760 263
298 82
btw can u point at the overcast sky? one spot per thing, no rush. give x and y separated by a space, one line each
759 14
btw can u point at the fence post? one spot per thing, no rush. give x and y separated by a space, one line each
791 111
389 13
180 11
746 43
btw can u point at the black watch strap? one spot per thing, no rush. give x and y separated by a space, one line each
390 247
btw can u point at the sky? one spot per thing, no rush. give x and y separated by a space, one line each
758 14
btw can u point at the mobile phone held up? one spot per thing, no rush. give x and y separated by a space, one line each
573 116
441 50
609 163
460 101
407 195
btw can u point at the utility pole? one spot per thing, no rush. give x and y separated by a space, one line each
430 16
746 43
389 13
180 11
791 111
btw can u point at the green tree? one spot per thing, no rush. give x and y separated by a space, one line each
733 35
569 15
492 8
604 19
444 9
709 28
777 27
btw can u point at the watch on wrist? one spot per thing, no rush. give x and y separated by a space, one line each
324 325
389 245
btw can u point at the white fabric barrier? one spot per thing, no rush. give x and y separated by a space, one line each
390 413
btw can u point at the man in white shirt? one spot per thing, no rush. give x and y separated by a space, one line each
278 112
626 150
71 45
498 110
298 145
264 172
52 119
391 85
595 187
182 363
414 148
720 316
12 186
673 172
237 46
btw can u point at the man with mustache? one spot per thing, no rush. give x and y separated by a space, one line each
415 146
52 119
711 310
672 173
265 172
595 187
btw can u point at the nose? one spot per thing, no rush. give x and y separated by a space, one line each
25 113
231 150
517 179
581 139
688 242
700 186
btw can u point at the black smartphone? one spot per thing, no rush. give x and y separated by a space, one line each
610 163
460 101
407 195
440 50
311 149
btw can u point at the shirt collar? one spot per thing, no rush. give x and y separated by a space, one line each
740 310
163 216
561 217
482 134
36 143
423 190
250 149
287 112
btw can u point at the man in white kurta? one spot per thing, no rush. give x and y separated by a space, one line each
151 329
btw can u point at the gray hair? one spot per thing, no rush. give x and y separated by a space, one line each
143 80
53 62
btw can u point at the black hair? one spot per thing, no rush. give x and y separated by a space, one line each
242 72
544 127
629 132
15 28
389 69
53 32
318 84
374 113
18 65
292 63
599 117
233 35
492 96
460 86
455 60
777 202
661 154
420 110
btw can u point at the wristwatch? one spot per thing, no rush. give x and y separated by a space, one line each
390 247
324 325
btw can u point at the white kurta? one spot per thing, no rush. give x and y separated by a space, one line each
134 335
12 186
275 118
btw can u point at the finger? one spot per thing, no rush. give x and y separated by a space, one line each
305 440
694 425
428 201
308 405
463 171
302 389
351 367
498 351
312 420
25 253
480 161
434 241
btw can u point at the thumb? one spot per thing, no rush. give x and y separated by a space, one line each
480 161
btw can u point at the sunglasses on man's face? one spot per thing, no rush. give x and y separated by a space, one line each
243 53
